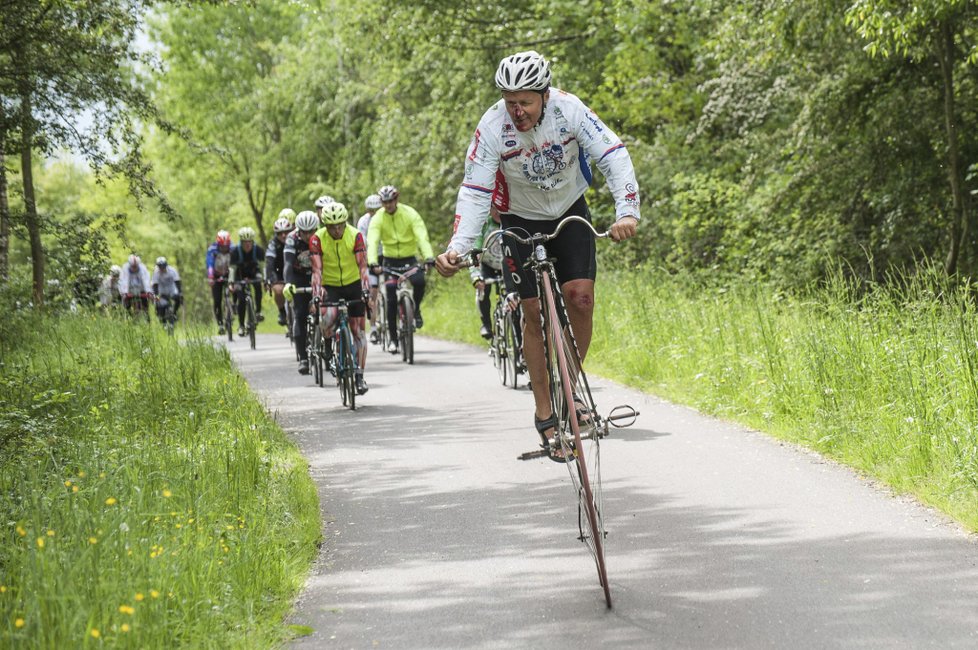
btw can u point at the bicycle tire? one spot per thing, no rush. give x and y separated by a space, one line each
228 315
382 325
565 384
510 351
348 385
251 322
407 330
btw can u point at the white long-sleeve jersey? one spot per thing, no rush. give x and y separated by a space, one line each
539 174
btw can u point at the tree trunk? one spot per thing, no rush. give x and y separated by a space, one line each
945 54
23 63
4 220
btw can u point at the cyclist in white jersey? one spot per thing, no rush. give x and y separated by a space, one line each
534 147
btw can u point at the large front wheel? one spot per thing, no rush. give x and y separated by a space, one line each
251 321
347 372
511 352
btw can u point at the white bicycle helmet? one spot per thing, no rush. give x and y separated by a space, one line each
324 200
287 214
523 71
246 234
388 193
161 262
307 220
115 270
282 224
334 213
372 202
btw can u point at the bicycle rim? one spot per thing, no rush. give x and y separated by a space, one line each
566 381
499 346
407 330
385 337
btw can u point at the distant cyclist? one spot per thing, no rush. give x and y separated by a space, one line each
166 284
108 293
275 260
402 232
303 266
363 224
218 268
345 276
134 285
534 147
246 265
322 202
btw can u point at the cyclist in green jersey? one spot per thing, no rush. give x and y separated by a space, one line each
345 276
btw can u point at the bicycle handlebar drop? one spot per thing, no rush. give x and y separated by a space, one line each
470 258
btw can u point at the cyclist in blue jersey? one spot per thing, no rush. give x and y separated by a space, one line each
246 264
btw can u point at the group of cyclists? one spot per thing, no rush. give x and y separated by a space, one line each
132 286
319 254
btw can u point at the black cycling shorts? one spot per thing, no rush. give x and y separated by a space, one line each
348 292
573 251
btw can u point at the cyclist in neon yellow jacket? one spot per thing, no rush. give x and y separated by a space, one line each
344 276
401 230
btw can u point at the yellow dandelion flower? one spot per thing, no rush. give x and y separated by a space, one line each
167 494
154 594
74 488
93 540
3 589
190 521
67 483
101 475
139 597
95 633
179 526
50 533
81 474
21 531
19 623
40 542
110 501
124 627
126 609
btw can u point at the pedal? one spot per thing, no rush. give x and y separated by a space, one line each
530 455
622 416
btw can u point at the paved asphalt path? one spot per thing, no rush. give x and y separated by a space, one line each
435 536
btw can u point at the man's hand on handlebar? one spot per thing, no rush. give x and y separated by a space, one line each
448 263
623 228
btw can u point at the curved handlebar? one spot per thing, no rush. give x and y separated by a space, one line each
535 238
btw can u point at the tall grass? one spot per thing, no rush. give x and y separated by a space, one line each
147 499
883 377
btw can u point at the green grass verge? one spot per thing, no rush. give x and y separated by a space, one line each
882 378
148 501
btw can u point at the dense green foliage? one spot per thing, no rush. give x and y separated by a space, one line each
881 377
147 499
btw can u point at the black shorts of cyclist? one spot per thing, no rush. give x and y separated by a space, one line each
348 292
573 251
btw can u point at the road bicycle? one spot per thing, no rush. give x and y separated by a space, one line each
251 319
137 304
343 362
381 326
579 427
506 353
406 310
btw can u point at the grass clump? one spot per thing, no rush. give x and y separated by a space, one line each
881 376
147 499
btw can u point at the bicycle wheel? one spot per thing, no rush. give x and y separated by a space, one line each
382 326
406 329
229 316
319 345
572 403
345 356
250 321
510 352
498 343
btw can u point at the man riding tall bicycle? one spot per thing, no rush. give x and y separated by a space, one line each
533 147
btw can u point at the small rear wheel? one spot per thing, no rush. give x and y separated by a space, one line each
407 330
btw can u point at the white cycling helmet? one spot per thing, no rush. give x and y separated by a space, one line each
523 71
373 202
307 220
282 224
334 213
115 269
161 262
388 193
134 260
246 234
324 200
288 214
